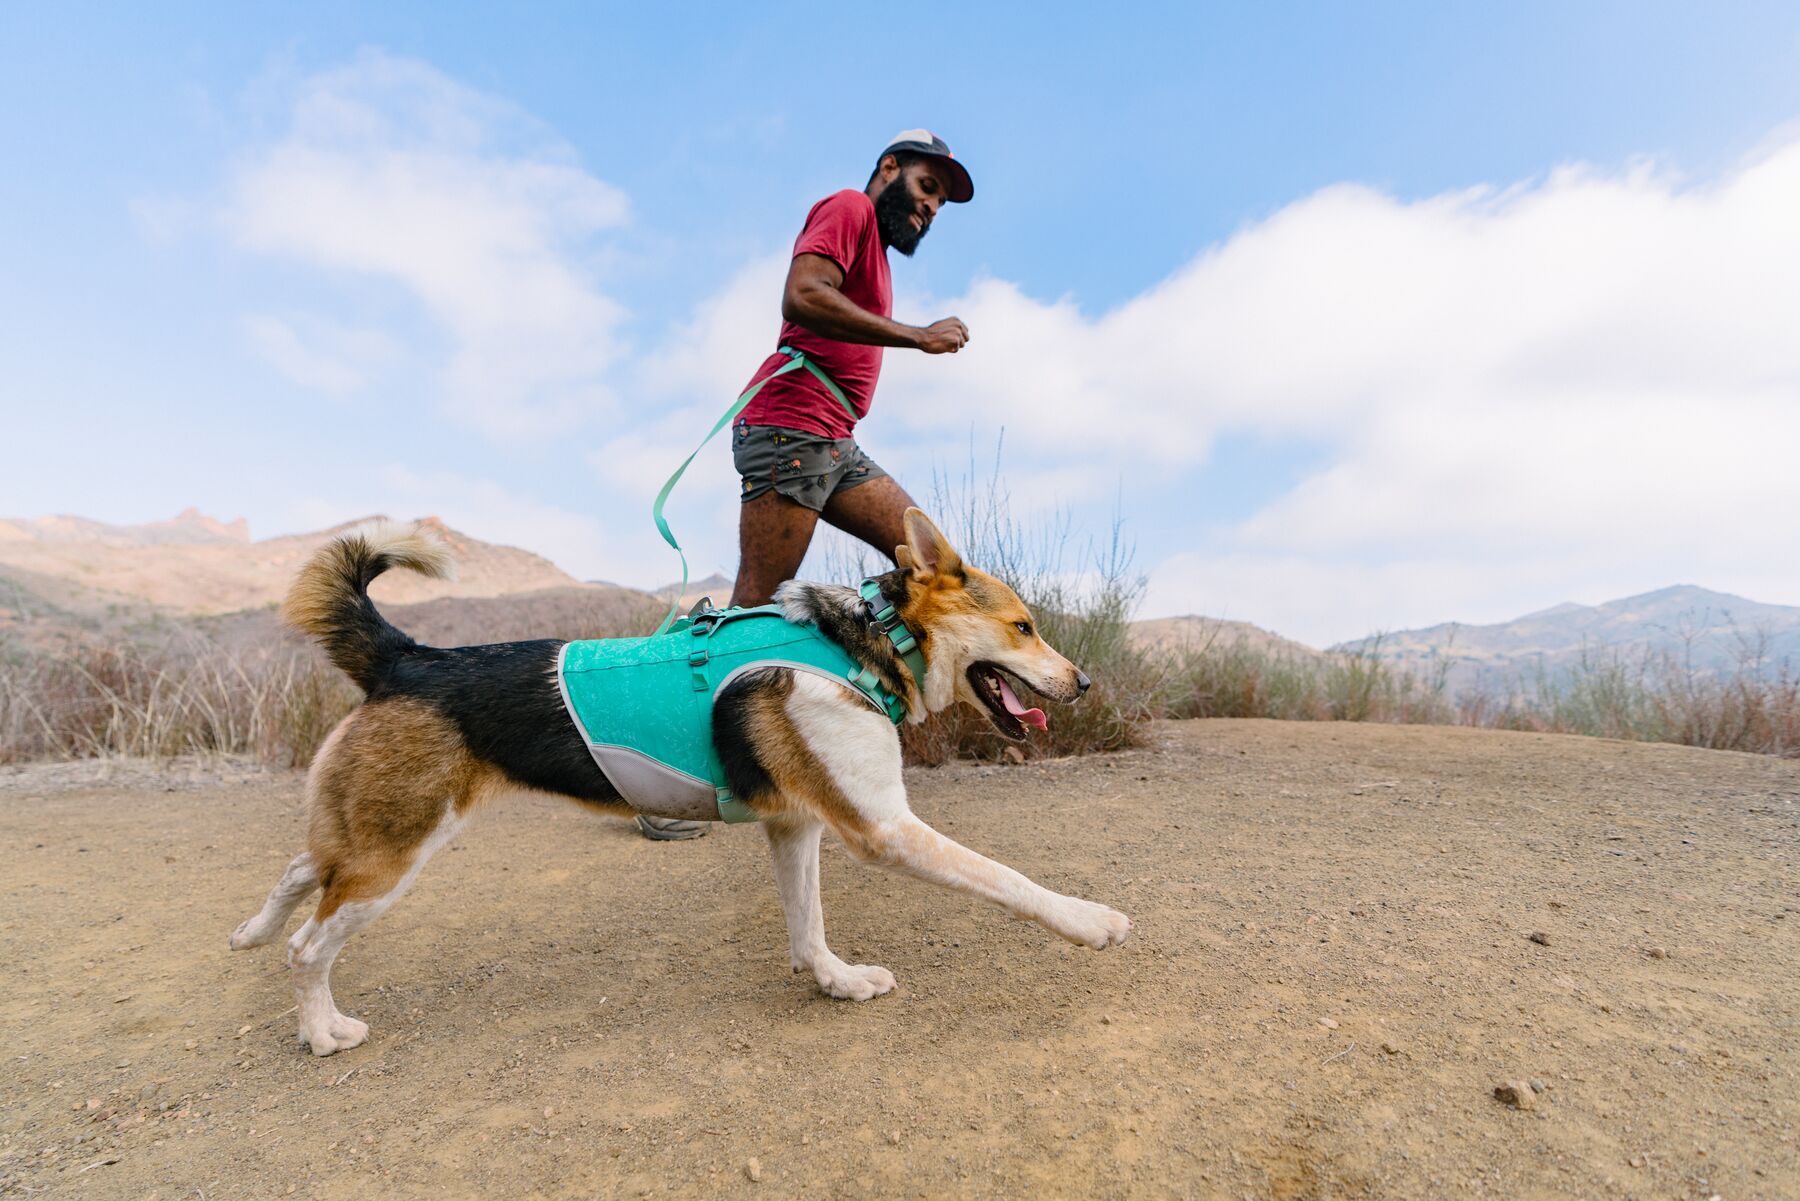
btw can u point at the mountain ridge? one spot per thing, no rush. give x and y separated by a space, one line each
194 565
1698 628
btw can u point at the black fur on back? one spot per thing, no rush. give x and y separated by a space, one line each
505 699
507 703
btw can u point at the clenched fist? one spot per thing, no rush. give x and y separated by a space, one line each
944 337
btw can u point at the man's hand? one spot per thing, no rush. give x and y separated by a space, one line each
813 300
944 337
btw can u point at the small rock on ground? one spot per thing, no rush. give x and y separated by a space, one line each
1516 1093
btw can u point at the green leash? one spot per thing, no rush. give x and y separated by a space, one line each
799 360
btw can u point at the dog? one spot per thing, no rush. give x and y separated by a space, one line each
442 730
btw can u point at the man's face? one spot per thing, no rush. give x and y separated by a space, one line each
907 205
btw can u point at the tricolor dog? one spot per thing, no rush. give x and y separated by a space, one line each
442 730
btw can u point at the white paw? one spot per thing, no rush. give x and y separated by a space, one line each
336 1033
854 982
1088 923
250 933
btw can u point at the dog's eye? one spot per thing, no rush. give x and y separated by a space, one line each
1024 627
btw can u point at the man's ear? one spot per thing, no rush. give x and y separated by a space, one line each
931 555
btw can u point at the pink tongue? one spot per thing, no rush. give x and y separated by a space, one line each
1031 717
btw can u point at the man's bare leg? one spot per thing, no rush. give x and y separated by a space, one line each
773 534
874 512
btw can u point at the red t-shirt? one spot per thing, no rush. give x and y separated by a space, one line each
842 228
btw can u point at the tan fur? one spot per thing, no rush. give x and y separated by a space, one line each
319 588
393 783
965 615
803 788
379 787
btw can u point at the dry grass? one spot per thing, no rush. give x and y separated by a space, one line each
246 689
1645 697
184 696
190 694
276 700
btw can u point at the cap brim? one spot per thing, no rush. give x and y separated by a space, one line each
962 188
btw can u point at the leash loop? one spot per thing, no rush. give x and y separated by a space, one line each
797 360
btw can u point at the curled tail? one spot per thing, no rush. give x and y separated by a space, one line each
329 599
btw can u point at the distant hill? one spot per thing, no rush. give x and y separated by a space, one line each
196 565
1200 633
1714 631
67 581
717 585
187 527
585 611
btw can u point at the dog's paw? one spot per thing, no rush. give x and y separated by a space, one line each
1090 924
336 1033
853 982
252 933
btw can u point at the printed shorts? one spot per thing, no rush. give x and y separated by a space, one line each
803 467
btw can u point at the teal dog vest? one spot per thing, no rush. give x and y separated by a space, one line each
644 705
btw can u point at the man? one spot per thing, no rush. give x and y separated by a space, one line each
793 443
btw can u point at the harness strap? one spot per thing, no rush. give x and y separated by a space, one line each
887 619
798 360
731 809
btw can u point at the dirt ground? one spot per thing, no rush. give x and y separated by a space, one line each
1334 964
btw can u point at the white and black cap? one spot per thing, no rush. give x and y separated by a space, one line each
923 141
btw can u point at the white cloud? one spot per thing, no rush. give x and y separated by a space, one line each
1568 388
328 358
1575 387
588 545
713 354
391 171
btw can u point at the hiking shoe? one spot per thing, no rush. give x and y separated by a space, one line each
669 829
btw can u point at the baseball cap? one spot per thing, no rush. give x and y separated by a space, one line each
923 141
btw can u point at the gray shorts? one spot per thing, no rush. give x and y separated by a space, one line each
803 467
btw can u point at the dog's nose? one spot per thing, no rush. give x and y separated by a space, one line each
1081 680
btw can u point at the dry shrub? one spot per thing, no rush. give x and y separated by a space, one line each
1655 697
195 691
185 695
1085 614
1647 696
277 700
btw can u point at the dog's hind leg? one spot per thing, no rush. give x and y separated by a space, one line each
794 847
296 884
351 901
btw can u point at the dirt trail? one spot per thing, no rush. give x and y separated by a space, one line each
1332 969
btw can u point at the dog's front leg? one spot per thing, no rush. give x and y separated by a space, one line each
914 847
794 846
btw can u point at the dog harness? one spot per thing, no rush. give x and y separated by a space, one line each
644 705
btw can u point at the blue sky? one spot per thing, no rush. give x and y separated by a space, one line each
1357 318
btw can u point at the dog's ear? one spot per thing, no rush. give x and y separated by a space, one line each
927 552
903 557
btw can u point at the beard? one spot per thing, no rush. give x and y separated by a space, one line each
894 210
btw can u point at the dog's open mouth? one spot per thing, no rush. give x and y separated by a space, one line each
1003 704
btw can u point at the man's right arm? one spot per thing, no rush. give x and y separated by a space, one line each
814 300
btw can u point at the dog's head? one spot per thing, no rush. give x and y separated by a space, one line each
977 634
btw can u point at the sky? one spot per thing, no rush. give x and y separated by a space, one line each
1350 317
